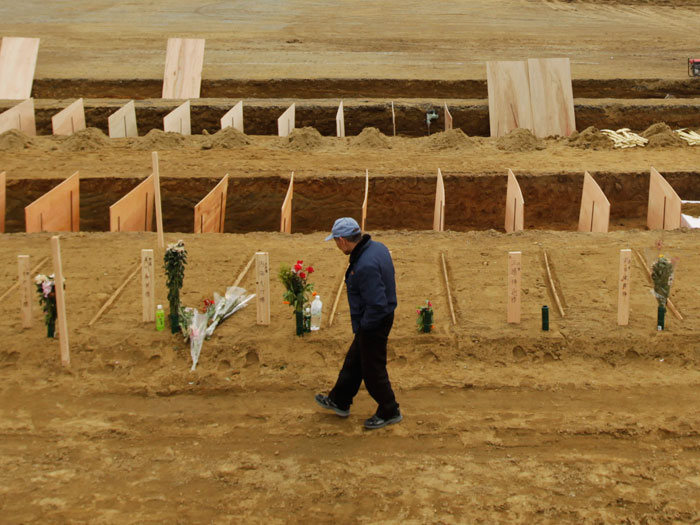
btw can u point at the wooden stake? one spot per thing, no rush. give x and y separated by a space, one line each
159 209
148 286
514 285
262 284
439 210
2 202
669 303
25 290
114 296
447 287
337 298
364 202
60 300
245 270
623 290
16 285
551 285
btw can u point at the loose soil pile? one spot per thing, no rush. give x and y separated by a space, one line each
159 140
660 135
14 140
452 139
370 138
303 139
228 138
519 140
89 139
590 138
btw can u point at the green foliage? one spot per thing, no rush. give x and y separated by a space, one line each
662 276
297 289
425 317
174 263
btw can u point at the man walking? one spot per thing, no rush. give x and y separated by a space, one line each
371 289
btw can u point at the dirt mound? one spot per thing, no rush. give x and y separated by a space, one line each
303 139
229 138
452 139
89 139
661 135
15 140
371 138
519 140
158 139
590 138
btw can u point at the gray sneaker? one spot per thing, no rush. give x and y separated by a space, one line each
328 404
377 422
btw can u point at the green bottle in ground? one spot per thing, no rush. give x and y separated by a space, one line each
160 318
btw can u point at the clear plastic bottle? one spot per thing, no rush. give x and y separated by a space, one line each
160 318
316 313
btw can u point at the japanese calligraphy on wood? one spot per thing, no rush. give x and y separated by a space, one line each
233 118
134 211
664 211
178 120
122 123
509 97
594 215
515 205
551 97
69 120
210 212
57 210
340 121
183 68
439 212
25 290
623 292
286 219
148 286
60 300
262 285
286 122
19 117
514 286
17 66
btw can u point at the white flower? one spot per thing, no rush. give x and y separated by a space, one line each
40 278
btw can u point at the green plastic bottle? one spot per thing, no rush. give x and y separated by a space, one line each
160 318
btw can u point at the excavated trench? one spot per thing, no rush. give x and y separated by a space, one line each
473 202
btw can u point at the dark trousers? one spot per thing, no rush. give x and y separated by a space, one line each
366 360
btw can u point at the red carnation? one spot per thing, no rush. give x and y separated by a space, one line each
302 275
297 267
310 269
300 262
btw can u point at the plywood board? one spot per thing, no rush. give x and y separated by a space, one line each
19 117
233 118
69 120
551 97
17 66
594 215
134 211
183 68
340 121
210 212
287 121
3 198
58 210
178 120
664 211
623 289
122 123
448 119
364 202
514 286
509 97
439 212
515 205
286 219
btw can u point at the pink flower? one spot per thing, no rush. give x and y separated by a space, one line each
46 287
430 304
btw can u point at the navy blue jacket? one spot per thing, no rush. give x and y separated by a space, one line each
370 283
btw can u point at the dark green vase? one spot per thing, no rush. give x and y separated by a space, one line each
427 321
51 328
174 323
300 322
660 317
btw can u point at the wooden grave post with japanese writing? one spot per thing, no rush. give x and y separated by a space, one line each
134 211
515 205
509 97
178 120
25 290
60 300
184 60
233 118
287 121
70 119
594 215
664 211
148 286
624 289
514 286
210 212
439 212
340 121
3 199
448 118
19 117
122 123
262 287
156 193
57 210
17 66
286 215
364 201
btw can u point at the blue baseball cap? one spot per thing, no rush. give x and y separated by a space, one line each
344 227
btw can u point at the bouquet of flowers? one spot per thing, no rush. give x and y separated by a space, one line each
174 263
425 317
296 289
46 287
662 276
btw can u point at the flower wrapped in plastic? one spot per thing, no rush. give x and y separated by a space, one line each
224 307
45 286
662 276
197 332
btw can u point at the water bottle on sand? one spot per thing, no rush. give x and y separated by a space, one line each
316 311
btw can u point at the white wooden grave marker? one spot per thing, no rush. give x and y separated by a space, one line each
287 121
69 120
439 212
17 66
233 118
183 68
340 121
60 300
624 289
514 286
25 290
664 212
19 117
178 120
148 286
286 215
262 287
57 210
122 123
515 205
595 207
